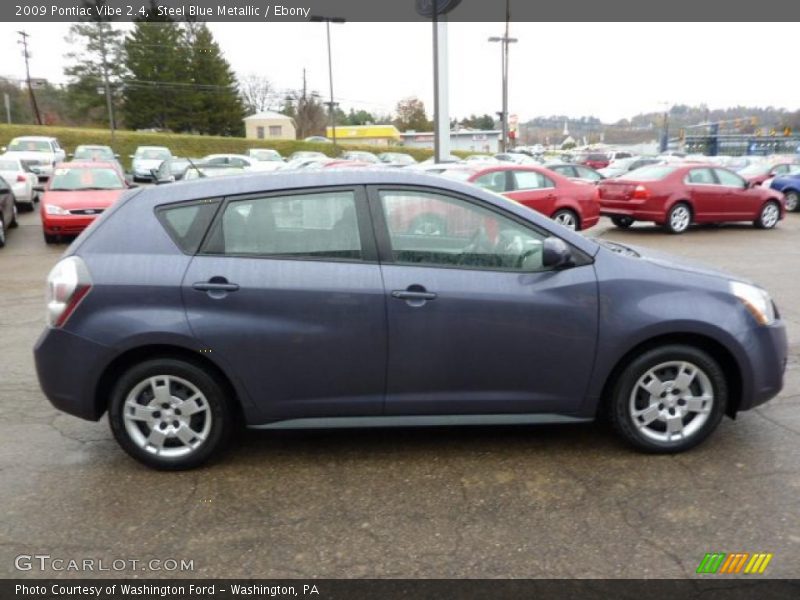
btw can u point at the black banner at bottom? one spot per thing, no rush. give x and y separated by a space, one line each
401 589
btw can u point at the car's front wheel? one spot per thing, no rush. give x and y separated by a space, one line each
792 201
567 218
669 399
170 414
769 216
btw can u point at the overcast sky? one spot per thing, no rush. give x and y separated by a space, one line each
610 71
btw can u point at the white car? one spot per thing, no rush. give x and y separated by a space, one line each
147 158
271 158
21 180
38 153
241 161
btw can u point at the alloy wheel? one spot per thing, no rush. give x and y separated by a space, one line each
679 219
792 201
671 401
167 416
770 215
567 219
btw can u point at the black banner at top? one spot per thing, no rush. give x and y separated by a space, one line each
710 11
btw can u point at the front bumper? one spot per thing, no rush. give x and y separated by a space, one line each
66 224
69 368
767 351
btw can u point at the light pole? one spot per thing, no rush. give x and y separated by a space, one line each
664 146
331 104
505 41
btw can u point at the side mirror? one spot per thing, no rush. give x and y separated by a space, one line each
556 254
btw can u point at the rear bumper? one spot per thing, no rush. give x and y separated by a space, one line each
589 221
69 367
635 209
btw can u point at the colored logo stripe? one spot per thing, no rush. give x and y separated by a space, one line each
711 562
734 563
759 562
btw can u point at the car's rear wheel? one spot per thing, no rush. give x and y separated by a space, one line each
25 207
769 216
567 218
622 222
792 201
170 414
669 399
50 238
679 218
13 224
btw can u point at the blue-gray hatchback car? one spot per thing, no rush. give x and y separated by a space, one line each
386 298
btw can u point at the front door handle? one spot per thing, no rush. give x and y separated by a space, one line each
414 295
218 285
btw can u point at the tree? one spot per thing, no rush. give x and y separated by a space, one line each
216 106
158 92
309 114
257 93
96 68
411 115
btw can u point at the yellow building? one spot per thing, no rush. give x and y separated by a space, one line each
269 125
374 135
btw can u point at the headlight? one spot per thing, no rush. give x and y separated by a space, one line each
52 209
755 300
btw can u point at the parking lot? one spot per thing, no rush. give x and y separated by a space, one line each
565 501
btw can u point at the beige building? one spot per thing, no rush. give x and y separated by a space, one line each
269 125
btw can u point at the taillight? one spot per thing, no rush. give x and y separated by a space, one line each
21 178
641 193
67 284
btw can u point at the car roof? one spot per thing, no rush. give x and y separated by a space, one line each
86 164
36 138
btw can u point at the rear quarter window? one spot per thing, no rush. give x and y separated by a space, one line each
187 223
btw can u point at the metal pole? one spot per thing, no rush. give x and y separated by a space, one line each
7 101
109 104
330 76
34 105
441 112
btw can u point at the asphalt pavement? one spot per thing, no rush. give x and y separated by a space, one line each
556 501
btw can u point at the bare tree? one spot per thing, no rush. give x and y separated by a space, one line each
257 92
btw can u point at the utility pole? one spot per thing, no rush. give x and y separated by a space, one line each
441 78
331 105
112 121
35 107
505 41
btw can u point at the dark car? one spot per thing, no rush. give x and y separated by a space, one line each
677 195
8 210
789 185
292 300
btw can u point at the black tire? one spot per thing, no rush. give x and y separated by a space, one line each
792 201
622 222
2 233
214 400
620 409
769 215
13 224
428 224
25 207
50 239
679 218
567 218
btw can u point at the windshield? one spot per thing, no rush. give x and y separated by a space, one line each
85 178
265 155
152 154
651 173
29 146
93 153
754 169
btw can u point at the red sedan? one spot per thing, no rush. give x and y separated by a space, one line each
675 196
574 204
76 194
758 173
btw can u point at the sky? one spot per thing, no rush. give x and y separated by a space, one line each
607 70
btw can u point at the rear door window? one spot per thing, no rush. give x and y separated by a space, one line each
701 177
531 180
320 225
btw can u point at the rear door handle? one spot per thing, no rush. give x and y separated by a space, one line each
412 295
